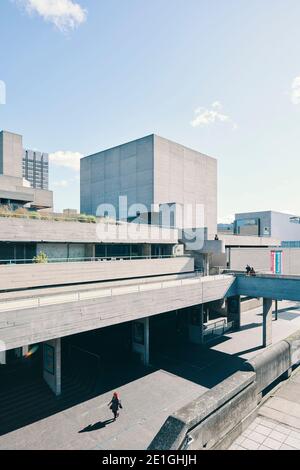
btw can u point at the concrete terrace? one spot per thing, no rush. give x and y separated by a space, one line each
175 378
277 426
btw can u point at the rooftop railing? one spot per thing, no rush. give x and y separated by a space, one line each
90 259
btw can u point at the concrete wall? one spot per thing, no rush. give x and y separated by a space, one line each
28 230
12 188
123 170
38 275
277 223
248 241
36 324
11 154
185 176
270 365
151 170
260 259
216 418
209 418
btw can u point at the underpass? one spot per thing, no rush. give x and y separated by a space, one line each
175 377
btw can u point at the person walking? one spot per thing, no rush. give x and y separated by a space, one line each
115 404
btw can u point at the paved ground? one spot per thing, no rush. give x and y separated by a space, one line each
277 426
178 377
147 402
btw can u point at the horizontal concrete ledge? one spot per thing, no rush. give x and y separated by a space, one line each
29 230
13 277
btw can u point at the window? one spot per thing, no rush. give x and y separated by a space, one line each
247 227
295 220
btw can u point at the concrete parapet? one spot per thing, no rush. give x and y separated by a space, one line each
214 419
270 365
294 344
206 420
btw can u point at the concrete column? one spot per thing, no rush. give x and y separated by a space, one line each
2 358
276 310
52 365
147 251
267 322
234 311
140 339
206 264
196 325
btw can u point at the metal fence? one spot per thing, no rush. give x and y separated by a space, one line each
90 259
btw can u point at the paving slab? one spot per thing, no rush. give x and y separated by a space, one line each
277 426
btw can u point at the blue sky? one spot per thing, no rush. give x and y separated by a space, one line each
220 76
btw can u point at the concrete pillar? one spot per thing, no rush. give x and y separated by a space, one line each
276 310
52 365
147 251
267 322
234 311
140 339
206 264
196 325
2 358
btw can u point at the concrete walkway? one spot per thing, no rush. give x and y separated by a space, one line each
175 380
277 426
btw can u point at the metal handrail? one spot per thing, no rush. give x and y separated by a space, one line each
90 259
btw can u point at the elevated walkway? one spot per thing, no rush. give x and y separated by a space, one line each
271 286
35 317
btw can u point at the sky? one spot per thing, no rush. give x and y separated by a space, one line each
219 76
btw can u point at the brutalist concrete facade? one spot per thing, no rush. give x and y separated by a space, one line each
151 171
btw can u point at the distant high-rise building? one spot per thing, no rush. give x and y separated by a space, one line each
36 168
23 175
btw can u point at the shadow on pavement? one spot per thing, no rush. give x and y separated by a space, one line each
97 426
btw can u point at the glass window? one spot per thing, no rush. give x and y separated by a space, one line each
247 227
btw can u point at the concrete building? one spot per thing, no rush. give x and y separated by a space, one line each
36 169
285 227
15 190
109 290
155 173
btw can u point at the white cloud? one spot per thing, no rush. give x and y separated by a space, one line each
61 184
66 159
64 14
204 117
295 93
